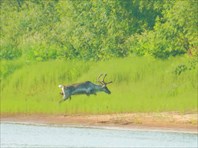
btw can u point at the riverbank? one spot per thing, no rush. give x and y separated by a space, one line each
165 120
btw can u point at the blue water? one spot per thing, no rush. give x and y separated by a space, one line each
24 135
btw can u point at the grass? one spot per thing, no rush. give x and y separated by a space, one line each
139 85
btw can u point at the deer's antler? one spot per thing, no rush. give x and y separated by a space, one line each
103 80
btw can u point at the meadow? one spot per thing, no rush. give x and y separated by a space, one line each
140 84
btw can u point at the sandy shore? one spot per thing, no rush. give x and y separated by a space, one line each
165 121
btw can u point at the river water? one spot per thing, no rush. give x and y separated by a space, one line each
28 135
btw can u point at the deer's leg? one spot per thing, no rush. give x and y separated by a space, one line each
65 98
61 101
88 92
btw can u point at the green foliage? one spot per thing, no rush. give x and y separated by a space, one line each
100 28
97 29
180 69
174 33
9 52
8 67
139 85
45 43
190 65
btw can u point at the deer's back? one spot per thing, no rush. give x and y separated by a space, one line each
80 88
83 84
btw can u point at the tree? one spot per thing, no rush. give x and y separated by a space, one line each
174 33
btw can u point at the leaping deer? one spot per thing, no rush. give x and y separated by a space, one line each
87 88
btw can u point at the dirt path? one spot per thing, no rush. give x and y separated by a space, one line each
165 120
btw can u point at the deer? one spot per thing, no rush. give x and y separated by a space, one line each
86 88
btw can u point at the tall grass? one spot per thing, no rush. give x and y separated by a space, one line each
139 85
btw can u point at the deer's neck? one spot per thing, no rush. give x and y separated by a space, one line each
98 87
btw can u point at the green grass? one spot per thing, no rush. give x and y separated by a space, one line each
139 85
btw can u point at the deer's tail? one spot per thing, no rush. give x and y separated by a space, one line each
60 86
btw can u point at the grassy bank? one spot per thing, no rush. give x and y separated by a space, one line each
139 85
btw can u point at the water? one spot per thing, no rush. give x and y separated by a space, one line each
26 135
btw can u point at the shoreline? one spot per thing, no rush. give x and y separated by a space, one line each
109 127
168 121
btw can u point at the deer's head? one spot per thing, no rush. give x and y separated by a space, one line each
104 84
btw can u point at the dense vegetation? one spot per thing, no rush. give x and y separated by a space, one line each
97 29
139 85
149 48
